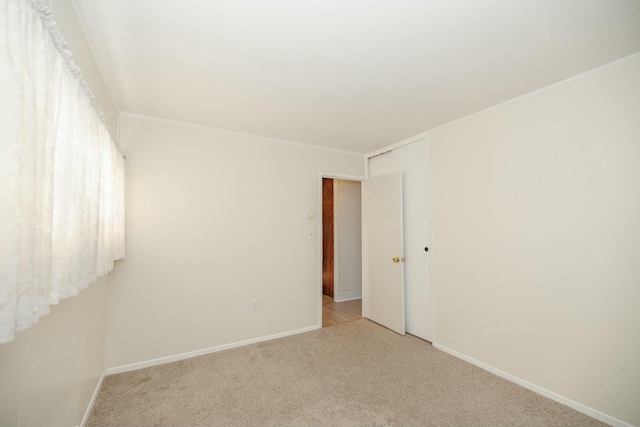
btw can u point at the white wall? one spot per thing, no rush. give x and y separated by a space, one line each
215 219
536 208
50 372
347 197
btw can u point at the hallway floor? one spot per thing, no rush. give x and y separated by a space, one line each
335 313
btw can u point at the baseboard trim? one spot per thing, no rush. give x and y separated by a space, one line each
93 400
190 354
348 296
537 389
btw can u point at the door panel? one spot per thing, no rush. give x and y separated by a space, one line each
411 160
327 237
383 279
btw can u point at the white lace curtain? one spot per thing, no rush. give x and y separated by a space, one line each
61 174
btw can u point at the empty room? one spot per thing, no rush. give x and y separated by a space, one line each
162 247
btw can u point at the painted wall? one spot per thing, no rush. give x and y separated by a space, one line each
348 239
536 209
49 373
215 219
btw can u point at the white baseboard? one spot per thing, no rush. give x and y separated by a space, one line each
348 296
93 400
190 354
543 391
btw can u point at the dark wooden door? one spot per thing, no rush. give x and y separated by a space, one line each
327 236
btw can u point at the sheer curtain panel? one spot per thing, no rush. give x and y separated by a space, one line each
61 174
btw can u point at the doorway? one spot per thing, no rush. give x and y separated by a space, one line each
410 158
341 300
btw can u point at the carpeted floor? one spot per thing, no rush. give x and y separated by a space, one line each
356 374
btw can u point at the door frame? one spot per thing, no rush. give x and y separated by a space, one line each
318 216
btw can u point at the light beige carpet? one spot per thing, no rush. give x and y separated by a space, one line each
356 374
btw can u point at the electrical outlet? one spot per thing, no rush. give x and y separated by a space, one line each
255 304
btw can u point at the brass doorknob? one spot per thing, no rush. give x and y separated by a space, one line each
396 259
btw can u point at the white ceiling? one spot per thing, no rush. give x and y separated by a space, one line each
355 75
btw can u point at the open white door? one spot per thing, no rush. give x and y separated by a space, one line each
411 160
382 251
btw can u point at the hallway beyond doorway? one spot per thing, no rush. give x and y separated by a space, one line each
335 313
